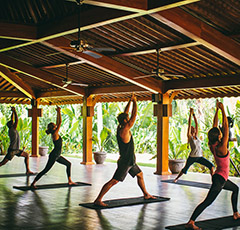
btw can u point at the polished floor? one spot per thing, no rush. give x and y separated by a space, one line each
59 208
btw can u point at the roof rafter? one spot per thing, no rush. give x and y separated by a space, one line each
114 89
12 94
17 82
201 32
111 66
92 18
201 83
38 74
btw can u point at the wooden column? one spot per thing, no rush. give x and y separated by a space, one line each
35 113
87 113
162 110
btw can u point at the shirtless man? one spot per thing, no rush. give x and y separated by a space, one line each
127 161
13 149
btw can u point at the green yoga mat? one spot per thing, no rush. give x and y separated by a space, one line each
50 186
189 183
16 175
217 223
124 202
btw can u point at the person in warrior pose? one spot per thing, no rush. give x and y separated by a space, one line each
13 149
127 161
55 154
196 154
218 142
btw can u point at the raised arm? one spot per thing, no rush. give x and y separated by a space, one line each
189 124
225 132
14 117
196 123
59 119
215 119
126 110
134 112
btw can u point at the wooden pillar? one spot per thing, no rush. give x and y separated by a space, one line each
35 113
162 110
87 113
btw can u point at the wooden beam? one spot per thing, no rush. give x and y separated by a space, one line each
115 89
38 74
111 66
139 5
56 93
18 31
199 31
133 6
91 19
16 82
13 94
208 82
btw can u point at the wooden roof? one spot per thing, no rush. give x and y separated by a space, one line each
199 43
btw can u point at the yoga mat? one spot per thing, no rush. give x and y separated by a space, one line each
218 223
124 202
16 175
50 186
189 183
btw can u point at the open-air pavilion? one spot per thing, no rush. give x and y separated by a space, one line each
56 52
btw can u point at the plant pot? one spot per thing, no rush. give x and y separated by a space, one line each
99 157
43 150
176 165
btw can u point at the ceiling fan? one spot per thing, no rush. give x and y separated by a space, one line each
81 45
66 81
160 73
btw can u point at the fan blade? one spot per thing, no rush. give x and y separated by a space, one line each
102 49
144 76
80 84
52 54
92 54
65 85
162 76
173 75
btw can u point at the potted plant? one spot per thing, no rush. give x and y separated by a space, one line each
100 154
177 151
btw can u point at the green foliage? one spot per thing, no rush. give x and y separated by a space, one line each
104 138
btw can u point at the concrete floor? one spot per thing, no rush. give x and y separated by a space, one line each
59 208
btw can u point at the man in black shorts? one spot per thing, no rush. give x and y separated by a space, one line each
13 149
127 161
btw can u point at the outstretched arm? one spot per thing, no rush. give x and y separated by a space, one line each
215 119
134 112
126 110
59 118
189 124
224 143
196 123
14 114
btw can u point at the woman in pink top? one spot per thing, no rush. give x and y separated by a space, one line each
218 142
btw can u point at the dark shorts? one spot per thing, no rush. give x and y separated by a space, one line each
122 171
13 152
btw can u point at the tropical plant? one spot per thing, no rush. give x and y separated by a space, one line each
102 140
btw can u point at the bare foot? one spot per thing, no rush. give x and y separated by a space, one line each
100 203
175 180
29 172
148 197
191 225
71 183
236 215
33 186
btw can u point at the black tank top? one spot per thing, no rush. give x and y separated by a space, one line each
126 150
57 146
